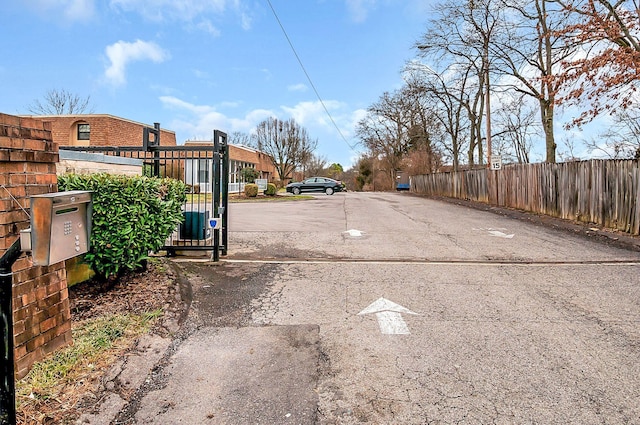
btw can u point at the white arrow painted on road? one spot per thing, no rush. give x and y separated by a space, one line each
389 316
353 233
499 234
496 232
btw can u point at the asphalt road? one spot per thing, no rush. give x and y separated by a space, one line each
385 308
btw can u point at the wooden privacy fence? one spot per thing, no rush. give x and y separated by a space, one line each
604 192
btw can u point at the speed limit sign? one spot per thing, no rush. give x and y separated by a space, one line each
496 162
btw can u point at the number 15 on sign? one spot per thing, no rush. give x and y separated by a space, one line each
496 162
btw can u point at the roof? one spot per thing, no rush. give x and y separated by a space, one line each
94 116
209 142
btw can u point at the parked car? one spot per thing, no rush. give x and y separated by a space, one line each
316 184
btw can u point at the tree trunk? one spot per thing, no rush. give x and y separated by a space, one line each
456 154
546 112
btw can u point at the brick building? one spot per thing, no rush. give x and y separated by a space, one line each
100 130
239 157
109 130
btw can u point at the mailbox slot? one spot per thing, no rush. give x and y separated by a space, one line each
60 226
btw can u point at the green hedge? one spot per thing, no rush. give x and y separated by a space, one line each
251 190
132 216
271 190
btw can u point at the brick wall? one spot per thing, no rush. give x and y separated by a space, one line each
106 130
42 319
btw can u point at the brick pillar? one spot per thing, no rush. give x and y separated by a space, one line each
42 319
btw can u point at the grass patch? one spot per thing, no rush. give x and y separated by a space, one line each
235 197
65 376
158 264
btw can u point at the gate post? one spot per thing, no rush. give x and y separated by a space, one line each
149 146
216 194
221 187
224 181
7 369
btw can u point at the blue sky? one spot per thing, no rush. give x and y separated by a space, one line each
199 65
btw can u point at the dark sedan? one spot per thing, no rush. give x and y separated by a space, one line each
316 184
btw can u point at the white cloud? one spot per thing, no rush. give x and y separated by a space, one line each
70 10
313 117
199 121
266 73
185 11
297 87
198 73
160 10
245 21
313 113
175 103
359 9
357 116
206 26
78 10
120 54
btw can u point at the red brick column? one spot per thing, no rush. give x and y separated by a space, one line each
42 319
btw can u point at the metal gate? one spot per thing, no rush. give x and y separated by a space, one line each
205 170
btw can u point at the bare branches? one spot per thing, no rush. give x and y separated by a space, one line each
518 123
61 102
621 140
395 125
286 142
583 53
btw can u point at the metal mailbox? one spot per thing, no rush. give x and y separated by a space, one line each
60 226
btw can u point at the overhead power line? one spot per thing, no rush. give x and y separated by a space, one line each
313 86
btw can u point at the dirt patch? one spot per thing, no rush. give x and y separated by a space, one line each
156 287
159 287
225 291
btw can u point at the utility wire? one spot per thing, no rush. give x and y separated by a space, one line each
326 110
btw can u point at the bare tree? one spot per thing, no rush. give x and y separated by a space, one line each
286 142
241 138
622 139
530 50
424 128
314 166
445 93
484 19
459 38
570 144
384 131
61 102
517 125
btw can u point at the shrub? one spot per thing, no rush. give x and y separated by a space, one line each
251 190
249 174
271 190
132 216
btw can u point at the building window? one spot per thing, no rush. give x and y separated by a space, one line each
84 131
